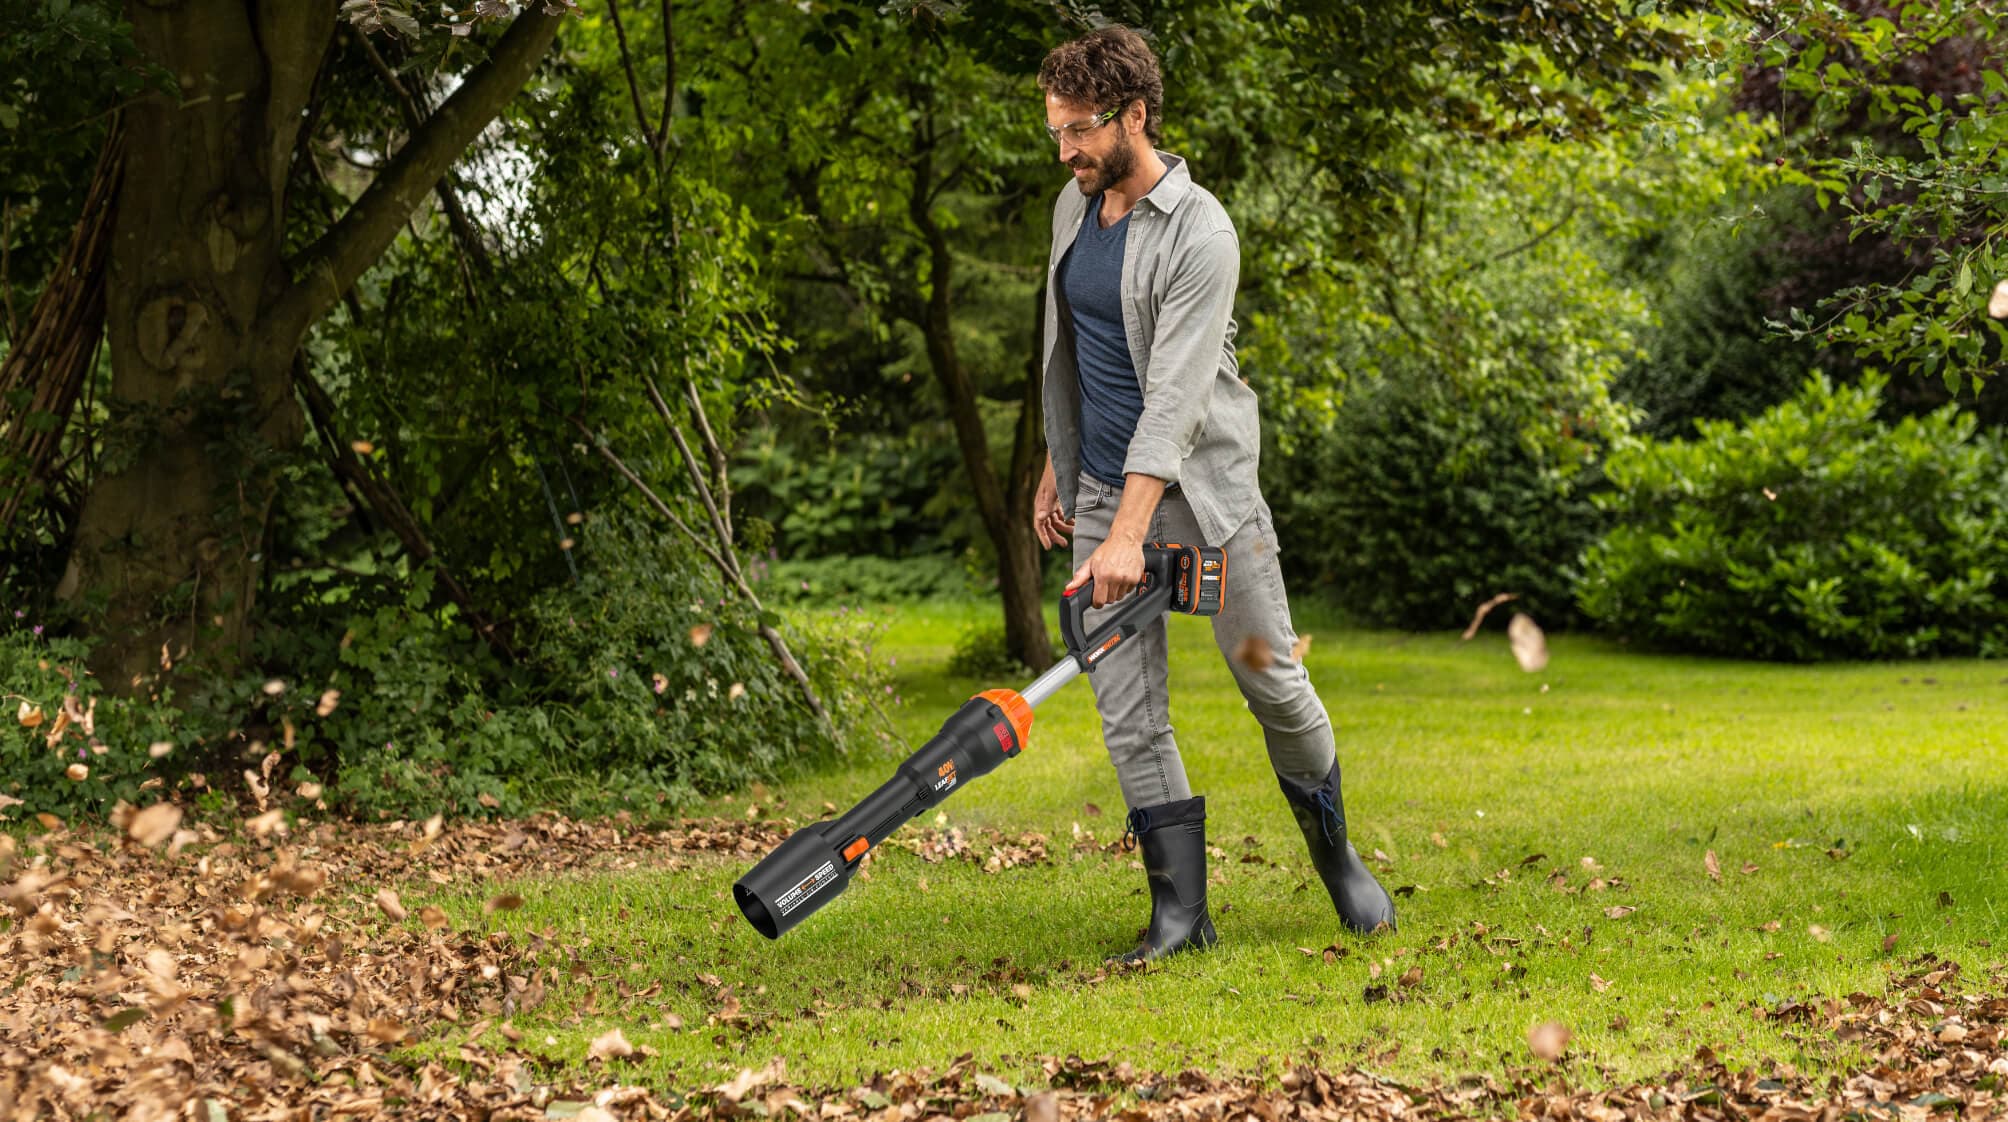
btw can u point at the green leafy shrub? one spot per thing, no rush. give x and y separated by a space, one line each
70 749
1811 532
641 684
1422 500
980 652
40 742
825 581
866 498
1713 353
641 687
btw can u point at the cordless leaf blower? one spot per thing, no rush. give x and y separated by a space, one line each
814 865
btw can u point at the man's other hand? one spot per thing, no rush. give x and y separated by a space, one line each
1048 521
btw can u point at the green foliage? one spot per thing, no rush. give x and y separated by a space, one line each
62 63
641 684
1712 353
1418 503
1919 168
70 747
1812 532
981 652
641 687
36 756
823 582
867 497
1438 407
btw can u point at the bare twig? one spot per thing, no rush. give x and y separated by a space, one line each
668 78
690 465
728 570
6 270
633 84
1484 609
721 479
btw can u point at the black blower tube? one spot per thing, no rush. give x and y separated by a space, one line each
814 866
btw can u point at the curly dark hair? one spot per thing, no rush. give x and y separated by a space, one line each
1107 68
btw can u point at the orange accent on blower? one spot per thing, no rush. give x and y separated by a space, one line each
1016 710
857 848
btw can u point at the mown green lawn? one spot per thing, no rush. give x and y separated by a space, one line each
1845 806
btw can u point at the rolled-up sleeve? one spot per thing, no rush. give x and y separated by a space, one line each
1185 354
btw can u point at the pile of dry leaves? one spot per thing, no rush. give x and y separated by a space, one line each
158 972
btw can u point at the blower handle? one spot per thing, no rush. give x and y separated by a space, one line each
1157 593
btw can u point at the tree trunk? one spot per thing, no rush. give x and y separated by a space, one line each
1028 462
171 534
204 314
1007 518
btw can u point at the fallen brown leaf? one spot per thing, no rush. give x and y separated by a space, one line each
1254 654
1713 866
506 902
266 824
612 1044
1549 1040
1530 646
388 903
154 825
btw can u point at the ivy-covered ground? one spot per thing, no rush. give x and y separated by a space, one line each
1630 886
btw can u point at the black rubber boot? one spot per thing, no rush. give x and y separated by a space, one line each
1173 839
1362 903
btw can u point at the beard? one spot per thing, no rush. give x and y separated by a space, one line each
1109 170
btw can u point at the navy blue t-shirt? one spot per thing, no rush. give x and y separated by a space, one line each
1091 279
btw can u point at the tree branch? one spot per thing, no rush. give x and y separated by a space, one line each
332 264
449 199
633 84
696 473
721 481
668 78
391 508
294 37
1537 239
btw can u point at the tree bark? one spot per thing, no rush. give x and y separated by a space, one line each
204 315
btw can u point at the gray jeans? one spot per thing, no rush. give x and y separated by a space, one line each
1132 686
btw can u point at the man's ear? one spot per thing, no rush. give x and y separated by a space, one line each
1135 116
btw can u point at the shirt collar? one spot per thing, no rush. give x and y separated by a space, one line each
1173 187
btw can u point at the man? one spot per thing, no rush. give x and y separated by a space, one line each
1153 436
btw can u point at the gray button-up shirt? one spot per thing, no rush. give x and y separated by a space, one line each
1199 427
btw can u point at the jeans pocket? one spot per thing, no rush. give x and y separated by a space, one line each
1088 498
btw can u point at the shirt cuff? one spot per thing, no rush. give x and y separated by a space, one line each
1156 456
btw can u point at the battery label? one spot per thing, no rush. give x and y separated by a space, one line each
813 883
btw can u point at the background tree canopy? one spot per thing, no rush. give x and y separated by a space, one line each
468 402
